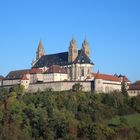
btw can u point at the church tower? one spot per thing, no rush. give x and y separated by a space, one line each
85 47
40 51
73 51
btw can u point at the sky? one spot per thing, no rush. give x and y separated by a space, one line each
112 28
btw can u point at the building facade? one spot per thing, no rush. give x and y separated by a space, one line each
76 62
55 73
134 89
65 68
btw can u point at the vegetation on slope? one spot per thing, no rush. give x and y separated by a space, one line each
68 115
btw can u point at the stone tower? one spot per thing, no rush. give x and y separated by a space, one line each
73 51
40 51
85 47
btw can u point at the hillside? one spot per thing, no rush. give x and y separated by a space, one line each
68 115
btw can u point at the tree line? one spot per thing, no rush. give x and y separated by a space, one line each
68 115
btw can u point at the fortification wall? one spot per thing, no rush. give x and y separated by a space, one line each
59 86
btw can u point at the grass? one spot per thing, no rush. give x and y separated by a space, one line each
132 120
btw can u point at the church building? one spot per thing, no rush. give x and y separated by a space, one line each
64 69
76 62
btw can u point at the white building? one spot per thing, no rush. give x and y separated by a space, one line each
134 89
76 62
55 73
106 83
36 75
72 65
14 77
25 82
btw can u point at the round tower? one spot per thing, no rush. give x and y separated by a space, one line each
85 47
73 51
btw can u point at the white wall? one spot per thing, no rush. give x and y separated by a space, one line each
25 83
133 92
58 86
77 71
36 77
106 86
11 82
50 77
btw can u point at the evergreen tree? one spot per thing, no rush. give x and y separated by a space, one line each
123 89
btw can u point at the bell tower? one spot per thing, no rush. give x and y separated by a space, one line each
85 47
73 50
40 51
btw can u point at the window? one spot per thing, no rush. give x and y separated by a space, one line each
82 72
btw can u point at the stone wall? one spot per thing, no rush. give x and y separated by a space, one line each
59 86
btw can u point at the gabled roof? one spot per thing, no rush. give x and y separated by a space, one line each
55 69
35 71
24 78
18 74
106 77
61 59
82 58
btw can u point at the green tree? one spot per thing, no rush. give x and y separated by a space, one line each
4 95
123 89
77 87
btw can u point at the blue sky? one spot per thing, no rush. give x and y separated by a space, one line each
112 28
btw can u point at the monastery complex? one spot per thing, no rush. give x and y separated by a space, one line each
62 70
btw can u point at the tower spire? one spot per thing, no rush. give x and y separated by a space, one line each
40 50
85 47
73 50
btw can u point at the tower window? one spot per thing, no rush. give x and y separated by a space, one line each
82 72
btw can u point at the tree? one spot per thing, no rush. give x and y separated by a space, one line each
4 94
77 87
123 89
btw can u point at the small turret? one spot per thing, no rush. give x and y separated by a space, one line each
85 47
73 50
40 51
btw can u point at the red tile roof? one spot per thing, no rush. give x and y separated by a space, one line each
35 71
106 77
56 69
24 78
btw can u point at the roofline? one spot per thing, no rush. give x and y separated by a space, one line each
20 70
55 53
55 73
